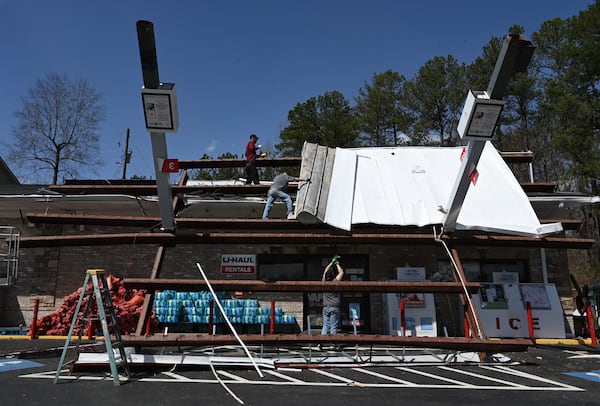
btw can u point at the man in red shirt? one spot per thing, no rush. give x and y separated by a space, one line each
251 171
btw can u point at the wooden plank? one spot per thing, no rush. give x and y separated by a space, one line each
326 183
312 197
306 172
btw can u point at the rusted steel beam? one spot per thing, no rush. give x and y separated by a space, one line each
182 222
149 296
470 309
238 163
217 223
91 219
545 187
97 239
196 285
518 157
148 190
273 238
456 239
509 157
450 343
241 189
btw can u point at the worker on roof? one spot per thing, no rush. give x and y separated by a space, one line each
251 154
278 190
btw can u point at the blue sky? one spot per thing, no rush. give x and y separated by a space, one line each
239 66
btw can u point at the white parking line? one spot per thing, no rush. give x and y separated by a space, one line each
386 377
522 374
480 376
177 377
283 376
437 377
520 382
334 376
229 375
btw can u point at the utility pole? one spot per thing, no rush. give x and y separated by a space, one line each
126 156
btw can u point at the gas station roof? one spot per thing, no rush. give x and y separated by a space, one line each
411 186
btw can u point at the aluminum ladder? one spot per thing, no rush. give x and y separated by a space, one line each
108 320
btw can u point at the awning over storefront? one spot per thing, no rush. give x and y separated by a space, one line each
411 186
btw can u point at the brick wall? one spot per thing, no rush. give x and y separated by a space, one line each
52 273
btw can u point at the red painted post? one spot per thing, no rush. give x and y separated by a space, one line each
272 321
211 316
90 333
90 327
402 317
149 327
590 320
530 321
36 308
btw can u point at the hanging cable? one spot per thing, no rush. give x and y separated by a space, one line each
240 401
438 238
218 302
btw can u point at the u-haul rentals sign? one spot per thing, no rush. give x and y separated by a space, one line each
238 263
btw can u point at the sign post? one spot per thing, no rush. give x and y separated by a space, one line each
160 112
514 56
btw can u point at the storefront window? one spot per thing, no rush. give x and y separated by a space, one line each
484 270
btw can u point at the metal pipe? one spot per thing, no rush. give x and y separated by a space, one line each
32 330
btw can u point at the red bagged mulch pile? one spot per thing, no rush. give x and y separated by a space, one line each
127 304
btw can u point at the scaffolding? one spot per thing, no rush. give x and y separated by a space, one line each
9 255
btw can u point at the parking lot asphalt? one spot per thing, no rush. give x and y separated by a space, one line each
547 374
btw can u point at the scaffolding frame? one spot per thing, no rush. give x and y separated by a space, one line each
9 255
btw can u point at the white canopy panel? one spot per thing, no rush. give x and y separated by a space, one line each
411 186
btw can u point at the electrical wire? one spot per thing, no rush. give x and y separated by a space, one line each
438 238
218 302
240 401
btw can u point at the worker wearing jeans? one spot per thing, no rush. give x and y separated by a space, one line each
278 190
333 273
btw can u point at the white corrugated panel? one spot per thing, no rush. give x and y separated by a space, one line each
407 185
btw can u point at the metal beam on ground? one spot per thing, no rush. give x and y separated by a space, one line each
450 343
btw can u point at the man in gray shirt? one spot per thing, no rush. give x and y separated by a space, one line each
332 300
278 190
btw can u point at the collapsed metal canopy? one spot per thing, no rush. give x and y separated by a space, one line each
411 186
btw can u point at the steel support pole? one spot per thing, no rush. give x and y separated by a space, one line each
514 56
149 61
165 196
